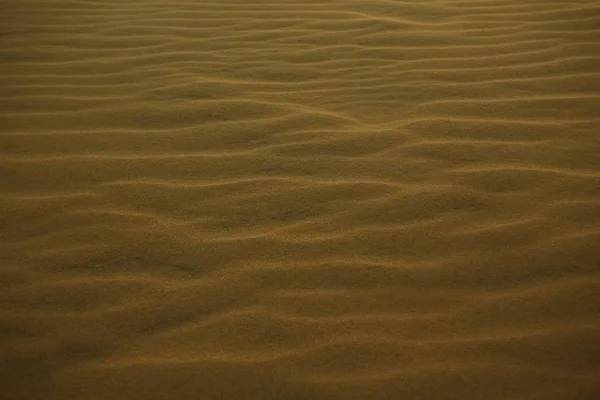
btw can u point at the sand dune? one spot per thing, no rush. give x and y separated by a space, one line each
336 199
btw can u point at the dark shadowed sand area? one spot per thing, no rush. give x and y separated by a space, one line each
300 200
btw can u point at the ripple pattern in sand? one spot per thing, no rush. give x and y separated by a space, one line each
299 199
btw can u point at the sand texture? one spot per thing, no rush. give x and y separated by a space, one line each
299 199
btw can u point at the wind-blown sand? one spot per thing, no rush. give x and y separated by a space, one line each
334 199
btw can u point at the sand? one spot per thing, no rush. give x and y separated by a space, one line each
298 200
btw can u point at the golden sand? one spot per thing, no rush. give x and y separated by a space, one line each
300 200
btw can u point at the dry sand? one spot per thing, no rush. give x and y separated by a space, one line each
332 199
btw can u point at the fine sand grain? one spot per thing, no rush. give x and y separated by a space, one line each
300 199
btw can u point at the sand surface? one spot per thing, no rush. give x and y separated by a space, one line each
300 200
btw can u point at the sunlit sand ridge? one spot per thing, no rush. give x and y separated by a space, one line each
334 199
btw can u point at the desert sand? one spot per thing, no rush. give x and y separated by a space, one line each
300 200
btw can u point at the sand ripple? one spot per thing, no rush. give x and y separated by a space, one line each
300 199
